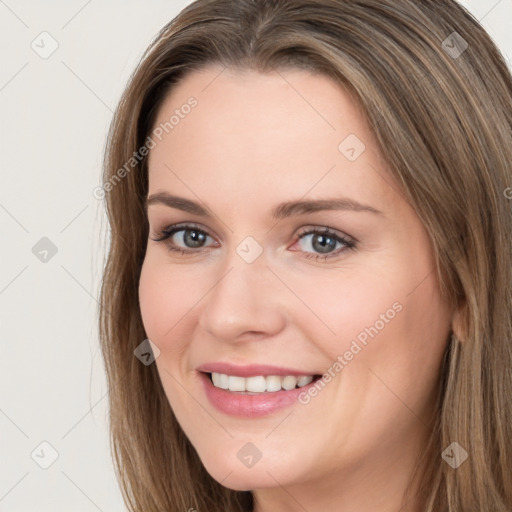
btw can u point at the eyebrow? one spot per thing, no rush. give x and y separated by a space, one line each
280 211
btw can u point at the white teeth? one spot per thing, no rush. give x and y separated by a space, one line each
223 381
304 381
236 383
273 383
255 384
260 383
289 382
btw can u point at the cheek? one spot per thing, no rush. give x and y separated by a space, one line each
386 322
170 300
342 306
162 300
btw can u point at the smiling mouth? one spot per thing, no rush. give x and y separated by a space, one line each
260 383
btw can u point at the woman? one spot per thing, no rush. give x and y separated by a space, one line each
310 222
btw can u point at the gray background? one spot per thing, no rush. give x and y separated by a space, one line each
54 113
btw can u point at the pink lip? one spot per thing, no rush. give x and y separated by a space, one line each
250 405
252 370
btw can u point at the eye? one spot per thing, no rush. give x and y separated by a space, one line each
324 241
191 237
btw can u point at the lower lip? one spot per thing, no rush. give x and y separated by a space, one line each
250 406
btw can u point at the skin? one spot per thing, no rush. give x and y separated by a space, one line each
254 141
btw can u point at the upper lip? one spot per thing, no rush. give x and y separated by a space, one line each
251 370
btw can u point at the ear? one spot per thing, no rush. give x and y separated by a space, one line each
460 322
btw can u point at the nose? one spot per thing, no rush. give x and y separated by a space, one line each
245 302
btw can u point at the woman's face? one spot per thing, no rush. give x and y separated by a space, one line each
254 168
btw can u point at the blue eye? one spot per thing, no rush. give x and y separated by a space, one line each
324 241
191 235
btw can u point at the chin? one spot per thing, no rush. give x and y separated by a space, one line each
236 476
245 480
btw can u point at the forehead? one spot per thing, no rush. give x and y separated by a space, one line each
251 134
235 106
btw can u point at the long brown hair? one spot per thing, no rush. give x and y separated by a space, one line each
438 96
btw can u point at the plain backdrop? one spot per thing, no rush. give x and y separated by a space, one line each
63 67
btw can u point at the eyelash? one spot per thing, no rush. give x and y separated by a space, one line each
349 243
